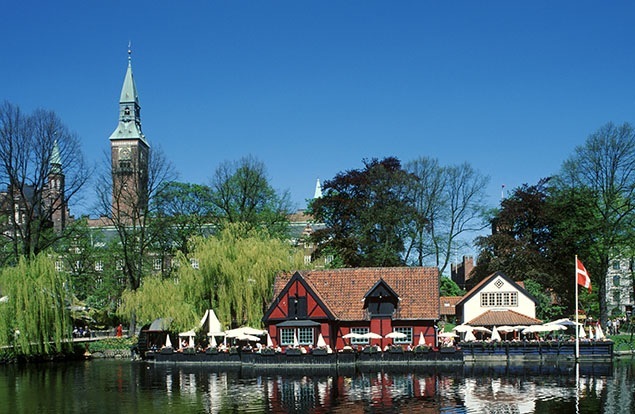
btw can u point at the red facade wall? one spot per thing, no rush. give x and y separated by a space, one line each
333 330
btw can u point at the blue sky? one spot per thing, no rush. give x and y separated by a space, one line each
311 88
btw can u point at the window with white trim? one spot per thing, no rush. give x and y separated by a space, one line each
499 299
156 264
359 341
286 336
404 330
305 336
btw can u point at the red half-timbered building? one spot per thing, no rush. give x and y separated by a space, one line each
361 300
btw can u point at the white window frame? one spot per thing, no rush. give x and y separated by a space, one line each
499 299
286 336
405 330
156 264
306 335
360 341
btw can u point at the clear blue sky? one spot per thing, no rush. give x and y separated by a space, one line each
311 88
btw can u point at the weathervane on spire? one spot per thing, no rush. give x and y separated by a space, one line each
129 50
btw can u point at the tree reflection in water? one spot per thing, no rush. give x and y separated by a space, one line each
123 386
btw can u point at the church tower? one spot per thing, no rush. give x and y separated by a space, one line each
129 155
54 191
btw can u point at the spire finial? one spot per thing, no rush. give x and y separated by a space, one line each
129 51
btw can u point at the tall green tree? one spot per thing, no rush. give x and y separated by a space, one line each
241 193
182 212
521 232
35 319
366 213
604 169
233 274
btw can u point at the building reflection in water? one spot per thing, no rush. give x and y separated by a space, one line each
469 388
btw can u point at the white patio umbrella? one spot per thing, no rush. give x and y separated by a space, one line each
212 342
599 334
422 339
396 335
506 328
463 328
249 338
565 322
591 334
352 335
372 335
544 328
168 343
554 327
269 341
191 342
321 343
295 341
245 330
495 335
582 332
469 336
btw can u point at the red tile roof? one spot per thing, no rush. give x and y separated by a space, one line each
448 304
503 317
343 290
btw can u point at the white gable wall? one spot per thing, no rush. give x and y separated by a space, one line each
524 305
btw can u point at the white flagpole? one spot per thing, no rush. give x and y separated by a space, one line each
577 326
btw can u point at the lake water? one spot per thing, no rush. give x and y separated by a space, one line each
120 386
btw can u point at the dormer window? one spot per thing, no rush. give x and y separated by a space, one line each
381 300
297 307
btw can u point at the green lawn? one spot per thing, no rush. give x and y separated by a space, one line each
623 342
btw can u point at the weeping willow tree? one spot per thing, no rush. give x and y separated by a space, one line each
36 318
234 276
156 298
236 271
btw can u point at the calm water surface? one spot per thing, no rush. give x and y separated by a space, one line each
116 386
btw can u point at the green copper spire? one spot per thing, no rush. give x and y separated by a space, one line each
56 160
129 109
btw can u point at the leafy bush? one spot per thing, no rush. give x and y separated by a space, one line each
111 343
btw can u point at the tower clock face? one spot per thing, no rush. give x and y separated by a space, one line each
124 153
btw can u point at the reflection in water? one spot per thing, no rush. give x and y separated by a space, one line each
122 386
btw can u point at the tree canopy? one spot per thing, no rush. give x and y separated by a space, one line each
232 272
241 193
366 213
36 317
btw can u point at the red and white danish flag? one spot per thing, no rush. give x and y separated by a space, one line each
583 276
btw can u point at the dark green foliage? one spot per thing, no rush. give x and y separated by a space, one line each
181 212
366 214
449 288
536 234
